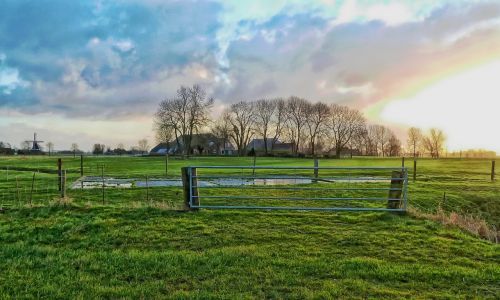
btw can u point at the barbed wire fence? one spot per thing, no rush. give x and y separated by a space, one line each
144 182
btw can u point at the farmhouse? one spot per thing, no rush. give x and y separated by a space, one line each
203 144
258 145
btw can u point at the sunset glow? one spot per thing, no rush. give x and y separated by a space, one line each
99 75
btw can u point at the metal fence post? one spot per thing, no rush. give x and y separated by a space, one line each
195 201
190 187
405 189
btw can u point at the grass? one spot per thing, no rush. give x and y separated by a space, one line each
78 252
132 248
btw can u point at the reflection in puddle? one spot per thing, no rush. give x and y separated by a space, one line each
108 182
98 182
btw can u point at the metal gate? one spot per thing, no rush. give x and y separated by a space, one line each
297 188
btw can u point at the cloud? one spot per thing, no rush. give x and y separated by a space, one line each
89 60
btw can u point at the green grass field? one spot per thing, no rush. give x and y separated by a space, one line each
130 247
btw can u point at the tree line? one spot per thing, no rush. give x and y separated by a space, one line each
310 128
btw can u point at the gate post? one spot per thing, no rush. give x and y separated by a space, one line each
396 190
190 188
316 165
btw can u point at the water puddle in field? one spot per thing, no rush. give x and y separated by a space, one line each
108 182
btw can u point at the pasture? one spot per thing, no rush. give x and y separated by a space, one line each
136 242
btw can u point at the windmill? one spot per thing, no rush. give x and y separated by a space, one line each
35 144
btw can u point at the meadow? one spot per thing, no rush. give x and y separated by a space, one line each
137 243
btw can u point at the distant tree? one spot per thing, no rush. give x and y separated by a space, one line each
74 148
164 133
316 120
98 149
264 111
344 124
143 145
221 129
50 147
434 142
278 120
414 139
185 114
120 149
25 145
381 136
296 109
242 119
393 145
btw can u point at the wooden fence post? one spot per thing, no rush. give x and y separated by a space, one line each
63 184
414 170
59 172
316 165
187 174
81 165
492 170
32 187
102 178
17 192
403 162
254 162
147 188
166 165
396 190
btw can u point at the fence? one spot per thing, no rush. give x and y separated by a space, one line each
297 188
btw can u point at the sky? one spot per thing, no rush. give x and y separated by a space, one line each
94 71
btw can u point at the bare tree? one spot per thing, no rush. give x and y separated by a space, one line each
164 133
25 145
414 139
296 115
50 147
381 135
221 129
393 145
184 114
434 142
74 149
370 140
264 111
98 149
316 118
242 119
344 123
278 120
359 141
143 145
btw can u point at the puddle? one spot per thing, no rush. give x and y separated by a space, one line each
97 182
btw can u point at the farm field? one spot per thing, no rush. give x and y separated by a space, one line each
130 246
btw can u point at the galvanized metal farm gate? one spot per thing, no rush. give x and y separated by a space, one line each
296 188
